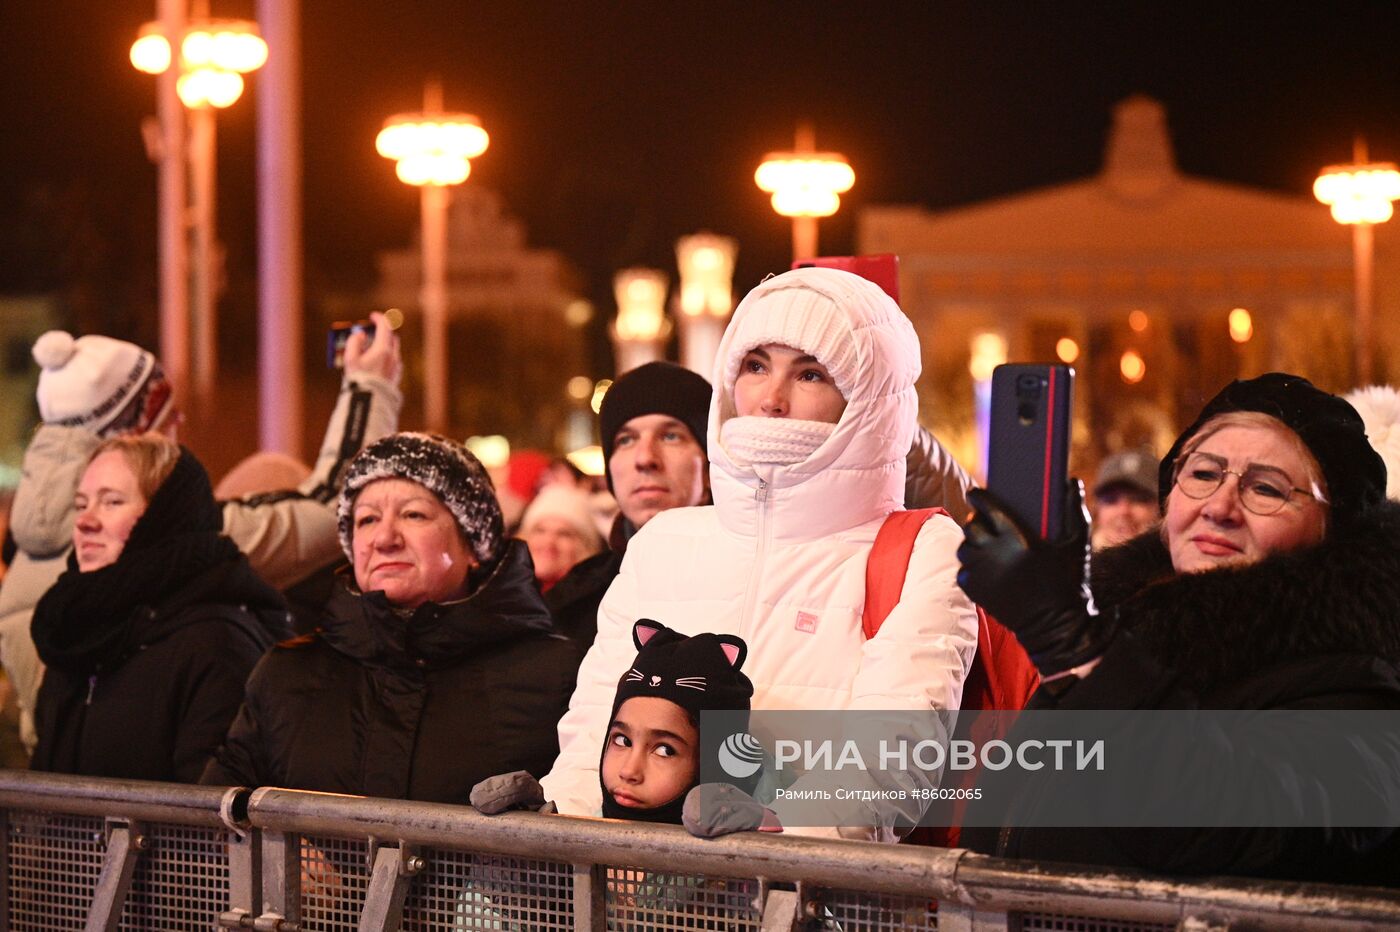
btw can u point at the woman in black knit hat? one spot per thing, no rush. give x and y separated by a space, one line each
433 668
151 632
1273 582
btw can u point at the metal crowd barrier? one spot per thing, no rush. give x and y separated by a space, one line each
84 853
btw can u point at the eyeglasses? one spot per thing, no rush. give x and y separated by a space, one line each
1263 489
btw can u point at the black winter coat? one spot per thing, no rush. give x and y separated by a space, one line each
420 707
1317 628
147 657
573 601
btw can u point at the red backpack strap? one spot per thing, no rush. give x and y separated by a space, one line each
1001 677
888 564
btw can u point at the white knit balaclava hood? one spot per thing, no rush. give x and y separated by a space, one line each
804 320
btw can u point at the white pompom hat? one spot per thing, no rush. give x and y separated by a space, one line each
92 381
1379 407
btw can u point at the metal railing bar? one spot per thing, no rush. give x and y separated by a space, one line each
281 880
999 884
4 869
125 842
388 887
144 800
590 900
844 864
987 883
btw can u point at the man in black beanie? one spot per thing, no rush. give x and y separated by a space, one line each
652 425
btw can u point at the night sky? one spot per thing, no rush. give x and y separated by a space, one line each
615 129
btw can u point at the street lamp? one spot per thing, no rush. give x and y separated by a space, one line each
805 185
213 56
1360 195
432 149
706 264
641 325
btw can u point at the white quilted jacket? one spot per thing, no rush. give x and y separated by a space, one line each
779 560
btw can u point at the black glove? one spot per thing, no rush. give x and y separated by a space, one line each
1036 588
515 790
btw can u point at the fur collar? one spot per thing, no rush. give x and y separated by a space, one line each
1216 628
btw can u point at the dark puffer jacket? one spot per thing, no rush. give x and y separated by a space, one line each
147 657
1317 628
418 707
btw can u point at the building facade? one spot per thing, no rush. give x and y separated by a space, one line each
1158 286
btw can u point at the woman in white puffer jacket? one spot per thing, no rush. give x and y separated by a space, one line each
779 559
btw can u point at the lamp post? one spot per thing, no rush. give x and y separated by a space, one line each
641 325
706 264
432 150
805 185
207 69
1360 195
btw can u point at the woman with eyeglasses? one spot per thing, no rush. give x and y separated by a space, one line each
1272 582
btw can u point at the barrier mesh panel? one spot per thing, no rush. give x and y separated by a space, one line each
54 864
181 881
334 879
877 912
640 900
1056 922
458 890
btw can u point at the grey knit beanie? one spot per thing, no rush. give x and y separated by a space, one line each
445 468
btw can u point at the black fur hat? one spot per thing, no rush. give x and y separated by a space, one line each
1329 427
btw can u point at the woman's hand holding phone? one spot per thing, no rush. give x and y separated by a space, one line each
1036 588
378 356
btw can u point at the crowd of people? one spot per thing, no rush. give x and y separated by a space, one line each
397 625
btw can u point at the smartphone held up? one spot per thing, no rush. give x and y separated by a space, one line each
338 336
1028 449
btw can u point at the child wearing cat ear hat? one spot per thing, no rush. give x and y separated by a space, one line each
651 755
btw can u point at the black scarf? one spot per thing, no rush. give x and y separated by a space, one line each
91 621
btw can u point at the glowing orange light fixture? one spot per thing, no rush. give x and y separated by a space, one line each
432 148
1241 325
1359 193
1132 367
1067 350
805 184
214 56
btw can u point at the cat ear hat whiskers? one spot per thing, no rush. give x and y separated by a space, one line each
696 673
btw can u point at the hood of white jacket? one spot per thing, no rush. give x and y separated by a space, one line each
857 474
41 518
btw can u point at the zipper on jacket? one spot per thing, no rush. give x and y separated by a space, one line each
760 553
92 688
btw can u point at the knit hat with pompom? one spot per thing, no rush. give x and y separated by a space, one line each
445 468
1379 407
107 386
